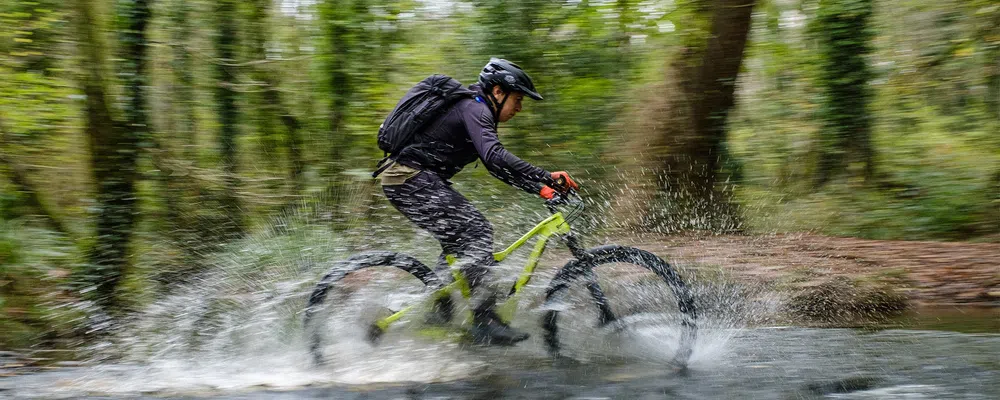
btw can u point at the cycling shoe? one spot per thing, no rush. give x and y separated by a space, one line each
487 329
441 313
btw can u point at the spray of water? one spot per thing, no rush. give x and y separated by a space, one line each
239 325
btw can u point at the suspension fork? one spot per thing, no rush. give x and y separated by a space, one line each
573 243
586 262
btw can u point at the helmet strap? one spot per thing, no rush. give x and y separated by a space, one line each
498 106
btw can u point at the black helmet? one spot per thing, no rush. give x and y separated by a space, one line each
509 76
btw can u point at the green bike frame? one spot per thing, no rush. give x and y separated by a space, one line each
553 225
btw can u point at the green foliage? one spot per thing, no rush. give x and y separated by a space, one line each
844 34
30 28
41 102
937 158
920 79
34 287
579 62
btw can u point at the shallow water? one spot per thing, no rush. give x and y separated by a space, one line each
237 334
765 363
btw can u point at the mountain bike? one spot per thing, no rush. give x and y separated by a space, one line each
428 286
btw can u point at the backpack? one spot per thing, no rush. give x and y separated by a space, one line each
421 105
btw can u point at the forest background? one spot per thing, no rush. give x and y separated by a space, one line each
140 139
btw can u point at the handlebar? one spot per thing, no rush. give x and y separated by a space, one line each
568 198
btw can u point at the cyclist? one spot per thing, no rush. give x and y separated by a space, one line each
418 185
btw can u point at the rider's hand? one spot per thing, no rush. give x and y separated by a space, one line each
562 179
547 193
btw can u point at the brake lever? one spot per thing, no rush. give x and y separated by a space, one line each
555 201
570 197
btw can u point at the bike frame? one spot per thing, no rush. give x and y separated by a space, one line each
555 224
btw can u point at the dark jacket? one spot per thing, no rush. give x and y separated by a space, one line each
467 132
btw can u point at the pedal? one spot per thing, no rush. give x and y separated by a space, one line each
441 312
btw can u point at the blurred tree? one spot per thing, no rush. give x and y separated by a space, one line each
225 97
30 38
987 20
578 54
270 102
182 87
844 35
263 116
510 27
173 151
515 30
180 125
681 143
32 29
355 67
114 146
19 177
627 16
341 26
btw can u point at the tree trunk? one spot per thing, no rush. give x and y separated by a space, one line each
336 18
273 107
625 21
844 37
679 147
133 17
225 96
341 37
183 85
264 114
114 148
993 83
293 141
179 124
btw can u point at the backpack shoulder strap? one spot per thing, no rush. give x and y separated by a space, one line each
383 165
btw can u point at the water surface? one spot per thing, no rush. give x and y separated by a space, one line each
762 363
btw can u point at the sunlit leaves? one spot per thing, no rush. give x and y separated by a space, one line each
28 30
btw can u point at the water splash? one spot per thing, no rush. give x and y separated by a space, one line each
239 325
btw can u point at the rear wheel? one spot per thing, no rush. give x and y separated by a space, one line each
358 291
618 289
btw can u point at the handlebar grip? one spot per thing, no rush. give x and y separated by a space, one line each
562 185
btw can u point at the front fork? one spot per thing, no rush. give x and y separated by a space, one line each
585 262
573 243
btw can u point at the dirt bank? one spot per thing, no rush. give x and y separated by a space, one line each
926 273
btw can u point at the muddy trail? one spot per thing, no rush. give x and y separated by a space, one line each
925 273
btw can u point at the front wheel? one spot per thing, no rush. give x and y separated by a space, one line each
624 285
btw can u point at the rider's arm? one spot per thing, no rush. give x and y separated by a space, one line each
498 161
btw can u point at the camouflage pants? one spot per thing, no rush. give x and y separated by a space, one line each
462 230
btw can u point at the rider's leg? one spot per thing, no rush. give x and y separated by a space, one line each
431 204
462 230
476 258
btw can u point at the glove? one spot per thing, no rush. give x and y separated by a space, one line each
563 182
562 179
547 193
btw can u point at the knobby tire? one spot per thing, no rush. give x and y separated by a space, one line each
583 270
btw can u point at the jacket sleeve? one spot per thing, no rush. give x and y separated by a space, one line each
498 161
